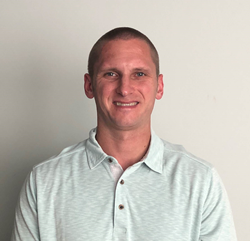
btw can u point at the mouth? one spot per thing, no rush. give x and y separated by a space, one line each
126 104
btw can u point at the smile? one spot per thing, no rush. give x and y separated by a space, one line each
126 104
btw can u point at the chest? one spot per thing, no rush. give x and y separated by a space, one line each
142 205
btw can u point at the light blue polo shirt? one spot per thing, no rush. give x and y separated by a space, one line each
168 196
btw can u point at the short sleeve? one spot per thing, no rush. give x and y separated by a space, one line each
217 221
26 219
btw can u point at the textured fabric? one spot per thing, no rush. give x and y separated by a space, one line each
116 171
170 195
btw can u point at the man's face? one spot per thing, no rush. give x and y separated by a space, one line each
124 85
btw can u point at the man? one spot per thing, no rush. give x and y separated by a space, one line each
124 182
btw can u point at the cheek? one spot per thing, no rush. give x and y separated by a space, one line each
148 91
104 93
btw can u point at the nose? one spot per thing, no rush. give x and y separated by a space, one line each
125 86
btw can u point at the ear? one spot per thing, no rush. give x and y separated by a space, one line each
88 87
160 87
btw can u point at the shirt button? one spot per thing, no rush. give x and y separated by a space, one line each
121 206
122 182
110 160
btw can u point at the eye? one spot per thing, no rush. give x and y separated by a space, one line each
110 74
140 74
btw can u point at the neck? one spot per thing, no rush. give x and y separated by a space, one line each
126 146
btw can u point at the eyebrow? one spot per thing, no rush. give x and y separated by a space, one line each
118 71
141 69
109 69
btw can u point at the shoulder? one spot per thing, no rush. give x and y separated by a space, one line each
177 159
67 157
188 172
180 152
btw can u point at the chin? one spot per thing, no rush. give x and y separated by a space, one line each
127 125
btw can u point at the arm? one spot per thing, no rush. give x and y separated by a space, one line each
26 218
217 221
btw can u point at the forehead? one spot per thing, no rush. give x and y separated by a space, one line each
132 50
129 44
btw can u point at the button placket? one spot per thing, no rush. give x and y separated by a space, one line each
120 218
121 212
121 206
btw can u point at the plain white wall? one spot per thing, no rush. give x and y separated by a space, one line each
205 58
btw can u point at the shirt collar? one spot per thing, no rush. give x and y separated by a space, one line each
95 154
153 159
155 153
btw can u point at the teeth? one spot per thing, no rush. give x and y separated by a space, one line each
126 104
